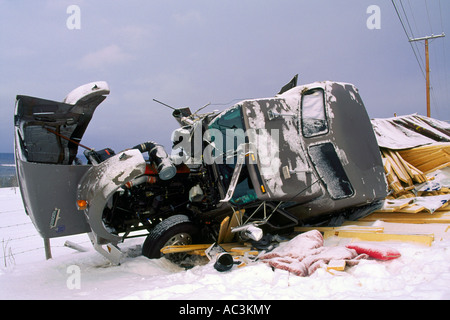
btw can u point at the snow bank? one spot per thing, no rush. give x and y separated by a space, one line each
420 273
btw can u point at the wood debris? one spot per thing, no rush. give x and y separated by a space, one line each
428 158
410 181
406 168
372 233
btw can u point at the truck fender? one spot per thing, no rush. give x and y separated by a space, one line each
100 182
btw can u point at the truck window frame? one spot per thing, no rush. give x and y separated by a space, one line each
316 126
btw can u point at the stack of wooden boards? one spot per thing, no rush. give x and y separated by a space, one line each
416 203
409 173
406 168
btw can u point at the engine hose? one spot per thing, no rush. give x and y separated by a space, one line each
141 180
166 169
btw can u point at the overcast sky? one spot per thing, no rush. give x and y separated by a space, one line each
191 52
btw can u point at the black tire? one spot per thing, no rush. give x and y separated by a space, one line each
175 230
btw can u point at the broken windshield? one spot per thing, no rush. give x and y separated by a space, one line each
226 133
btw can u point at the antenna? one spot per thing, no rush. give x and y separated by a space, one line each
164 104
202 108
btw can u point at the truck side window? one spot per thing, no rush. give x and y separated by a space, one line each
330 169
314 121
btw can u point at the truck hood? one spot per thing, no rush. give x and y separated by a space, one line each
50 131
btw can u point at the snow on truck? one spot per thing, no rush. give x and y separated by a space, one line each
307 156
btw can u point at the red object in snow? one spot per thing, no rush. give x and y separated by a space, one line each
375 250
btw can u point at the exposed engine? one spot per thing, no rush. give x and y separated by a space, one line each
164 190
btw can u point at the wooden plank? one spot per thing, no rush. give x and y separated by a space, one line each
398 168
436 217
438 229
196 248
413 208
435 165
415 154
418 159
236 219
426 239
428 158
413 172
394 205
343 228
391 177
186 248
444 165
338 265
409 169
243 250
224 225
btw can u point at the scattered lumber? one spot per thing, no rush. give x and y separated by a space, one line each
199 249
330 230
429 204
436 217
406 168
400 175
428 158
371 233
411 185
426 239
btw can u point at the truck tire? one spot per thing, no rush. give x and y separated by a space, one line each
175 230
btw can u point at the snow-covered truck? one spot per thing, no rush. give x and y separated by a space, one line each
307 156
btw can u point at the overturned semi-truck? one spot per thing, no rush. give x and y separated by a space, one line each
306 156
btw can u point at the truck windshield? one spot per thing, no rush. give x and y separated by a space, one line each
226 133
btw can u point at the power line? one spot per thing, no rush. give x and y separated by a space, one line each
444 56
428 15
440 13
407 36
417 50
412 39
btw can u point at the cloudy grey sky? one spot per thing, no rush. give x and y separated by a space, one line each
191 52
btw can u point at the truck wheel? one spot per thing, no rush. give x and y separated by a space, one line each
175 230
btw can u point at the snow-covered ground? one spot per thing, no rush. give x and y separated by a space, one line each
421 272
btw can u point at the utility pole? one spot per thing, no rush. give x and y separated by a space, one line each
427 58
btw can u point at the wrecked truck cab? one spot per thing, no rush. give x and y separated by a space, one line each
307 156
312 152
